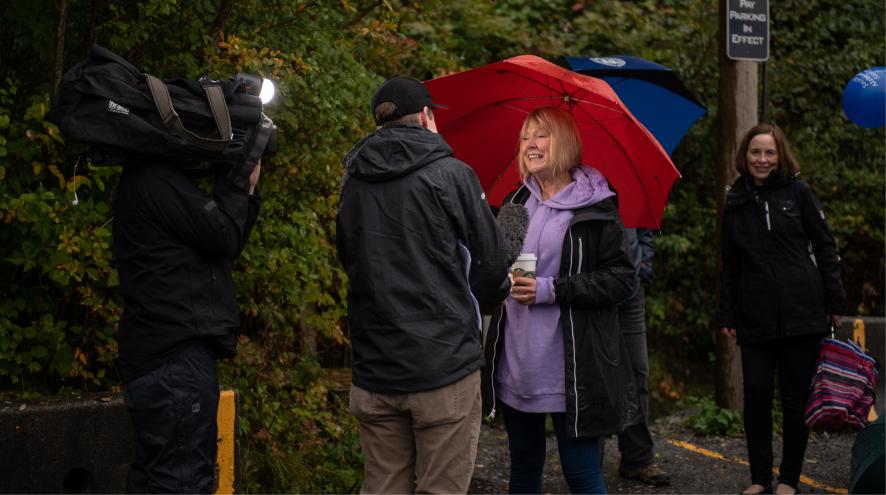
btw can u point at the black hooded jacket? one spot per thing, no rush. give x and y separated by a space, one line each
770 286
173 244
406 205
596 274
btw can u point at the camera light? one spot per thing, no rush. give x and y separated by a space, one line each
267 91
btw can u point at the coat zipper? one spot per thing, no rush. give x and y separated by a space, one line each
572 332
766 208
492 365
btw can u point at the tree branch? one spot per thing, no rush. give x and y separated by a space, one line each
61 7
221 18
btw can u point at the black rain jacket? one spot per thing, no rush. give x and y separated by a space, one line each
596 274
770 285
173 244
406 203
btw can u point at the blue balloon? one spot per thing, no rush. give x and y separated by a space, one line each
864 98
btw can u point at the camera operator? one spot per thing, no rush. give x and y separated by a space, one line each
174 244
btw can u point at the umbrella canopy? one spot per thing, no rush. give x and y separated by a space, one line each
487 107
652 92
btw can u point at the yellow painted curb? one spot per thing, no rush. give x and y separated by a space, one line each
716 455
225 459
858 334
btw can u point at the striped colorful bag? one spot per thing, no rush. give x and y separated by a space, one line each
843 388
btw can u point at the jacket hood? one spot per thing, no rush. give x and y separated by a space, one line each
394 151
587 188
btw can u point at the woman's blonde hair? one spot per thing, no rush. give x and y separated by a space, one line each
566 150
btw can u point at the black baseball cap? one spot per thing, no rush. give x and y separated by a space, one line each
408 94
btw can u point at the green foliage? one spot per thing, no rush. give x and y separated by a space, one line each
296 434
707 418
710 419
58 312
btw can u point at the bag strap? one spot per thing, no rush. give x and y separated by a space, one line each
217 104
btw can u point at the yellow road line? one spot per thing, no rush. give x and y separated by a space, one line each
716 455
225 457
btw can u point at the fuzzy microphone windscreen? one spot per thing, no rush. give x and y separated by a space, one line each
513 220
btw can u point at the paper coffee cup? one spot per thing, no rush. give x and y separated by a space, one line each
524 266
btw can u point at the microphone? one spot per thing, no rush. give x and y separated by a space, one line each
513 220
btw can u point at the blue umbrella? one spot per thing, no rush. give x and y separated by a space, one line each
652 92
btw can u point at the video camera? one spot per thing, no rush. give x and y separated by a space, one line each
125 115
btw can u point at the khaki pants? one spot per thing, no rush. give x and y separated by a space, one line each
424 442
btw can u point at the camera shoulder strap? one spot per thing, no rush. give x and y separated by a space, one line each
217 104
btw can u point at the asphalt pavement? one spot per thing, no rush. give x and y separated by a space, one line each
697 464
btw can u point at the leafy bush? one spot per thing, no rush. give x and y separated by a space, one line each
296 433
713 420
58 312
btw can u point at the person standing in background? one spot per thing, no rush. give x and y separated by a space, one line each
635 443
780 289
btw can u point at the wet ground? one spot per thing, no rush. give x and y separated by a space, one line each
697 464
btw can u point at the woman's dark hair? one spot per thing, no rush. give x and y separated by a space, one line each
787 164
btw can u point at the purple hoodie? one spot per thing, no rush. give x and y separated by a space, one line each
531 375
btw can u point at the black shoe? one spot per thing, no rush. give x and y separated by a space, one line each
651 474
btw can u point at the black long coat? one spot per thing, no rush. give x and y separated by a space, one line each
781 271
596 274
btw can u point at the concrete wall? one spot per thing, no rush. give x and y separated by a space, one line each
83 444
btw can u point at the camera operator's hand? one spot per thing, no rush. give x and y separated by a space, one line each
253 177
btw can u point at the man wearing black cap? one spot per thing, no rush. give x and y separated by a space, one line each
420 246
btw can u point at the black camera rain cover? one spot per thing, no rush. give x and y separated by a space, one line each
105 101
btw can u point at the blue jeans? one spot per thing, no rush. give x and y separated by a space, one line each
579 457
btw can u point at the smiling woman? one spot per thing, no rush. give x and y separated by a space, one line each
762 157
582 272
550 147
775 298
765 149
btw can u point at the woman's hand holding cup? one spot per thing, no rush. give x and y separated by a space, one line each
523 272
523 290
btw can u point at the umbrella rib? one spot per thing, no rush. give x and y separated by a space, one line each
506 104
546 84
499 177
625 153
529 98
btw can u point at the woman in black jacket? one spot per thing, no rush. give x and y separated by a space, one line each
555 346
780 289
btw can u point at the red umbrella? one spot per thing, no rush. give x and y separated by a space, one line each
487 107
